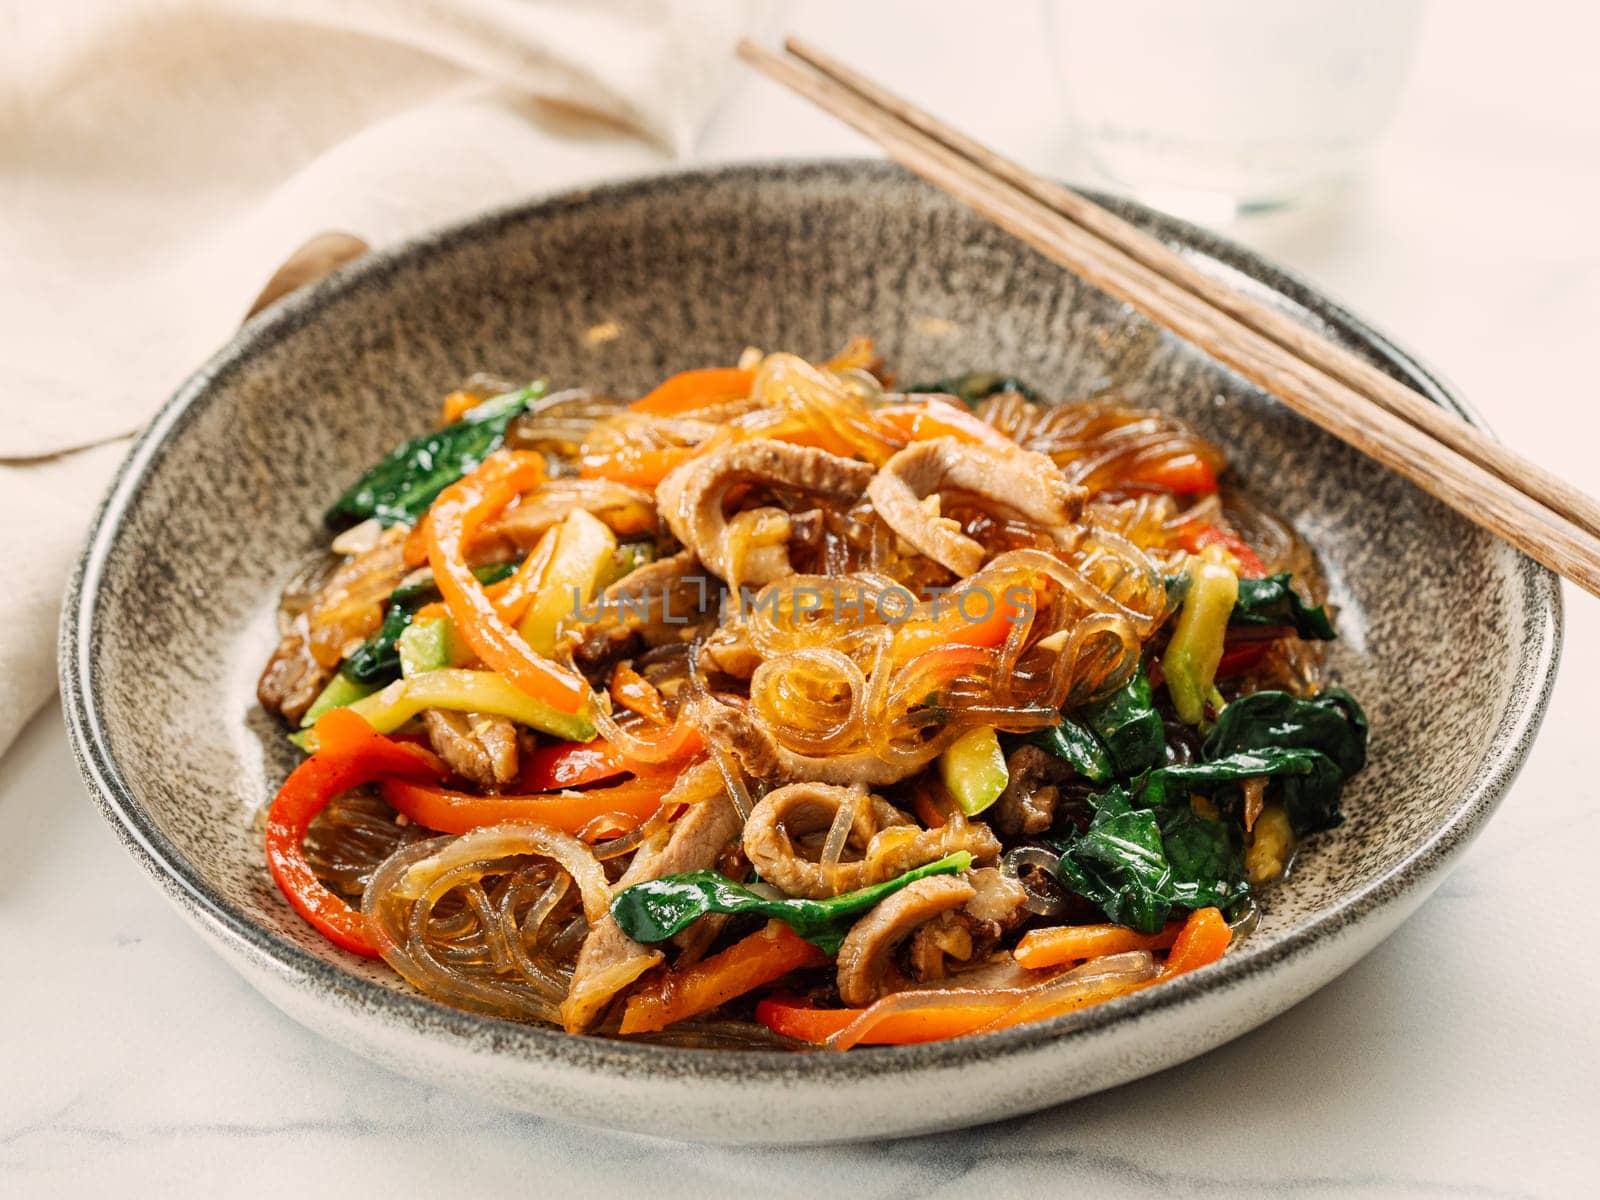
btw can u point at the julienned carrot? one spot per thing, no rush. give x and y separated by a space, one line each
922 422
762 958
457 405
1202 940
635 465
513 594
635 693
797 1019
689 390
461 812
450 524
1078 943
983 622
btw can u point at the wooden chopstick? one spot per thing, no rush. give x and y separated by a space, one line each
1545 486
1441 455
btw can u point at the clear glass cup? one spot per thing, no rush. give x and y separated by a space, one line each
1232 105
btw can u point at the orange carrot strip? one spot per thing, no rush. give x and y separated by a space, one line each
461 812
452 520
762 958
922 422
1077 943
457 405
637 694
1203 938
689 390
796 1019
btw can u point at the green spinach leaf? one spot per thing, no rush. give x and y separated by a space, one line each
399 489
1330 724
1272 601
975 386
1114 738
659 908
1073 743
1140 864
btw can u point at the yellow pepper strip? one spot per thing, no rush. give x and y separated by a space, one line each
1190 662
583 550
464 691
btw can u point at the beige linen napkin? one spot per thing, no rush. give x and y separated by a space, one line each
159 158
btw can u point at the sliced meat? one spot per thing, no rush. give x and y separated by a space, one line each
659 604
626 510
610 960
293 678
765 758
727 649
887 842
478 747
751 547
968 934
866 956
343 613
1028 805
1015 483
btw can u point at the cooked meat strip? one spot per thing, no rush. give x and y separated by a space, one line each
1017 483
627 510
751 547
610 960
345 612
655 605
765 758
865 957
888 842
970 934
1028 805
479 747
293 678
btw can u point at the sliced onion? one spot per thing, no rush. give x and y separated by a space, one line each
1041 903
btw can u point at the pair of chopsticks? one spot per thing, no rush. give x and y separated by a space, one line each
1536 511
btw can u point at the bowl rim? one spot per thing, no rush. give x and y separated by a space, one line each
1531 678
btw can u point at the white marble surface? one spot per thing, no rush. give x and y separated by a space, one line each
1461 1057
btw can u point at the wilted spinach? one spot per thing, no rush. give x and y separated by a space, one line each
1270 602
657 909
1117 737
401 486
1139 864
1147 852
975 386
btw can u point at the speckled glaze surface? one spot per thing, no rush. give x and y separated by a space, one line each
1449 638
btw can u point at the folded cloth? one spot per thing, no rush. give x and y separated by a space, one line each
160 158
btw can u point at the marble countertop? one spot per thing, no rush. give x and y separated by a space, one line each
1459 1058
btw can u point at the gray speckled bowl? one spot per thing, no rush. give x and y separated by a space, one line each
1450 638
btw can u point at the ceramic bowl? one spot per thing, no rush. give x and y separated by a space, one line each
1449 637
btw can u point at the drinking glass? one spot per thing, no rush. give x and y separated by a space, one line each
1232 104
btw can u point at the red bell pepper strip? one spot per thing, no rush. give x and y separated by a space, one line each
1185 475
349 754
689 390
450 524
1197 535
461 812
572 764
